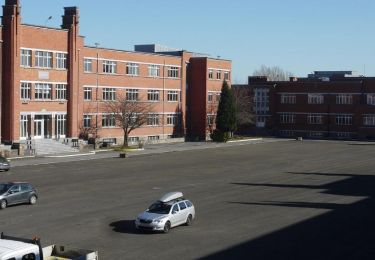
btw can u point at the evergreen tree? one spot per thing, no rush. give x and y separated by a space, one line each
226 113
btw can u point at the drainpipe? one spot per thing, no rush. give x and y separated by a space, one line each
163 116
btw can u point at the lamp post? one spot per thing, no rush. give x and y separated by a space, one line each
97 91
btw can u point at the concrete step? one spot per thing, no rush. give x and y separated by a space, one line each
49 146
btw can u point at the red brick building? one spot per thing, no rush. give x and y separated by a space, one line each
330 104
54 86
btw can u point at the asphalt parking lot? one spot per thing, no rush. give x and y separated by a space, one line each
271 200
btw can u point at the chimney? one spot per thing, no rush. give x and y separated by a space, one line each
11 8
70 17
257 79
12 2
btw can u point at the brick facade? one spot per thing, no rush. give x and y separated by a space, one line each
53 85
337 105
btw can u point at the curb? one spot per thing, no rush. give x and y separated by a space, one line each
245 140
70 155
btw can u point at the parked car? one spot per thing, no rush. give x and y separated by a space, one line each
4 164
12 193
169 211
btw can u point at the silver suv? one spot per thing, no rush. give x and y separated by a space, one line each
169 211
12 193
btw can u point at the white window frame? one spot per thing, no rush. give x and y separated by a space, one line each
288 99
370 99
60 90
287 133
210 97
261 101
211 119
109 67
109 94
132 69
25 91
87 94
344 120
315 119
315 99
108 121
173 72
43 59
153 138
343 135
210 74
315 134
60 125
369 120
87 65
43 91
172 119
61 60
172 95
226 75
133 139
287 119
344 99
132 94
24 133
153 119
153 95
218 74
26 58
154 70
87 120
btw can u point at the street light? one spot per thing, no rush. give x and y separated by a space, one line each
97 91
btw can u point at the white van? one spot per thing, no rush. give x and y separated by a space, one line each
14 248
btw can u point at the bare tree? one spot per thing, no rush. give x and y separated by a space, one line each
274 73
244 105
91 130
128 114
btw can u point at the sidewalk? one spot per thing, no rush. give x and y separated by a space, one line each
149 149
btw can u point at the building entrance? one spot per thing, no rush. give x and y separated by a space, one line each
38 128
42 127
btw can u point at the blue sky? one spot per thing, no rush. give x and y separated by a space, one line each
297 35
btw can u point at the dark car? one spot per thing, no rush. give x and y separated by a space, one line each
4 164
12 193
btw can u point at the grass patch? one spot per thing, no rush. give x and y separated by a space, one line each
125 149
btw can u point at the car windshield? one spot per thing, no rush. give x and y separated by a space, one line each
4 187
2 159
159 208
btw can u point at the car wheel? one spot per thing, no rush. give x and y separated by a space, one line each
6 170
189 220
3 204
167 227
32 200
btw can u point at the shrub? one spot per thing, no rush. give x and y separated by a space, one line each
219 136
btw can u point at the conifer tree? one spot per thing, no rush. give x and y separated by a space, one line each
226 113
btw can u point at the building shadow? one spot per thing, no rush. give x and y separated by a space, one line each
347 231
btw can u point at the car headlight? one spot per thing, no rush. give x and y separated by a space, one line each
161 220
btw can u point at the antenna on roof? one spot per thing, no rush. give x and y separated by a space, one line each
48 19
364 70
